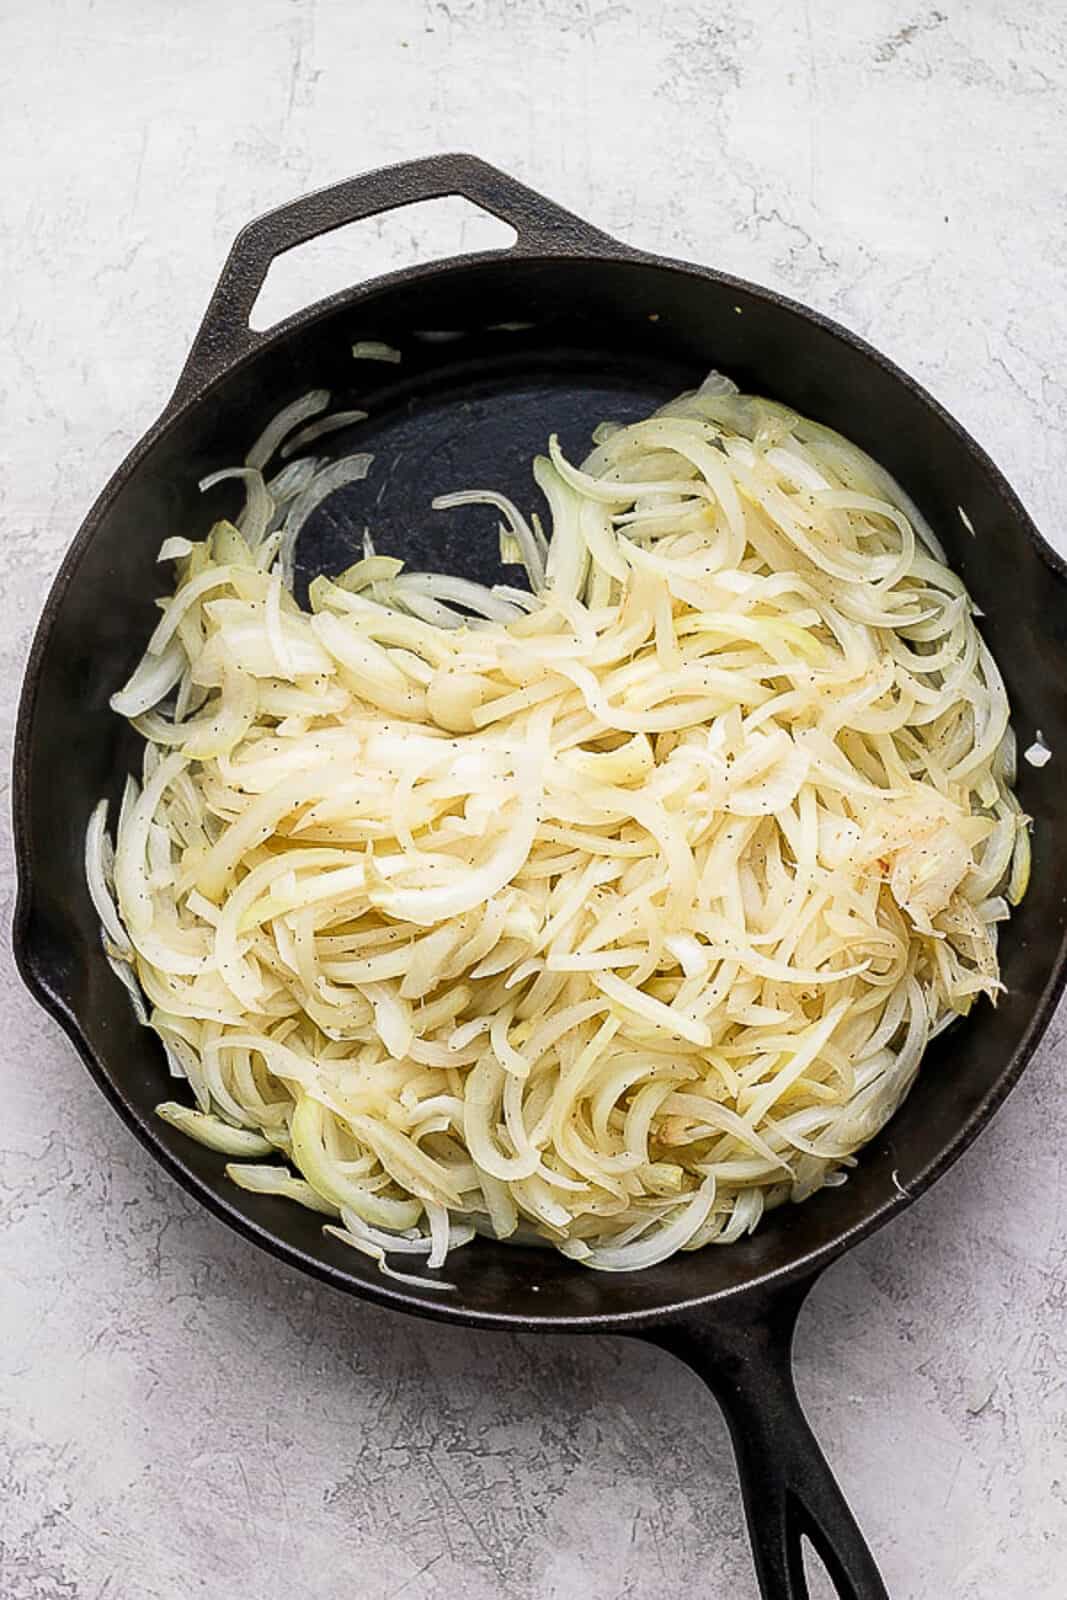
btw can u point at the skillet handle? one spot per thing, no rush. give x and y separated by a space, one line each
541 226
786 1483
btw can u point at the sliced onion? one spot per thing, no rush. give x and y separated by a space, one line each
152 680
318 430
375 350
349 469
212 1131
532 556
656 1246
605 917
291 416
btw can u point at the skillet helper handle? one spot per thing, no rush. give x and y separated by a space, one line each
541 227
786 1483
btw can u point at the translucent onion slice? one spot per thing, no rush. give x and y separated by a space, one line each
606 917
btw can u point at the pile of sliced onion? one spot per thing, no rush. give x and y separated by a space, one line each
612 913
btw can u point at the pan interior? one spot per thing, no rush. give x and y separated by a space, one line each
479 427
497 355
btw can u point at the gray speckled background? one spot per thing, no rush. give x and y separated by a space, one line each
178 1415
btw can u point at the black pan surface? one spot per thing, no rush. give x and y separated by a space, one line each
568 329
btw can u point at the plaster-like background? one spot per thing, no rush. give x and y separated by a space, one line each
178 1415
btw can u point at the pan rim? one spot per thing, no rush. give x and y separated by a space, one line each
193 391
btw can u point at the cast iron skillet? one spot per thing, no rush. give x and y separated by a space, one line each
563 330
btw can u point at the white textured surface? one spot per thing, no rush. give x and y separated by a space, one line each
178 1415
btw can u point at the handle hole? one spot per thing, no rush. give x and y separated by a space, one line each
820 1585
428 230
